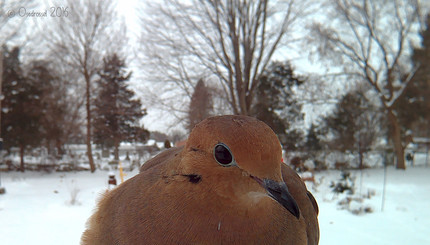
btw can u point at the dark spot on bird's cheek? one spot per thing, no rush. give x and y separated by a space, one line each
165 178
193 178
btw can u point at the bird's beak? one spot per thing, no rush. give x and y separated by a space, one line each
279 192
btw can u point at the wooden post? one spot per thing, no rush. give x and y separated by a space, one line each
121 172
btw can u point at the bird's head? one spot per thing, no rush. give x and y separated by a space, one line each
242 155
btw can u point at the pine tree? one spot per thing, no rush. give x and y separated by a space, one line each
21 114
117 114
414 105
354 125
275 104
312 143
200 105
421 57
343 122
53 105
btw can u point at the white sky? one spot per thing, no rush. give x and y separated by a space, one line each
155 120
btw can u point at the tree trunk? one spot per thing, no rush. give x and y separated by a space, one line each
48 147
116 152
21 154
397 140
360 161
59 146
88 107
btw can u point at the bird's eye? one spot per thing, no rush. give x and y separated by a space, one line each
223 155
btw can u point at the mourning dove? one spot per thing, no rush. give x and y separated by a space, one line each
227 185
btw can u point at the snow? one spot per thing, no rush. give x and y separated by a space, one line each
37 209
404 220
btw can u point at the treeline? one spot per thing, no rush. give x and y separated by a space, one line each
40 110
68 81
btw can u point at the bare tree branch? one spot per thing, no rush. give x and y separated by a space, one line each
230 41
81 40
370 39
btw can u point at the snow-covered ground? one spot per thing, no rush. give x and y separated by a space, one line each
405 218
37 209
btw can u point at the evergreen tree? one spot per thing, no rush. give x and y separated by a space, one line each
117 114
343 122
354 125
52 102
421 57
413 107
312 143
275 104
200 105
21 114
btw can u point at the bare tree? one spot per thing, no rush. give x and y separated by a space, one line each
369 40
230 41
80 40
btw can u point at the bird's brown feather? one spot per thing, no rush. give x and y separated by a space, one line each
165 204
